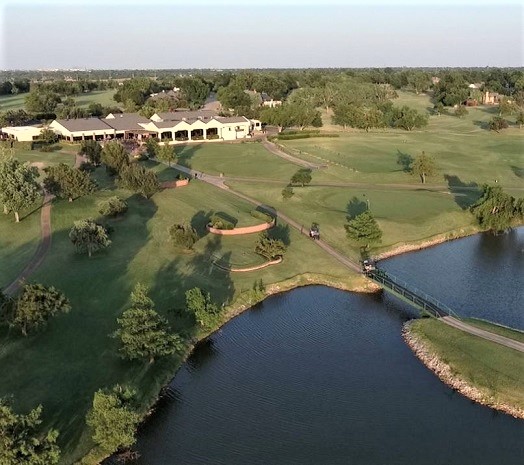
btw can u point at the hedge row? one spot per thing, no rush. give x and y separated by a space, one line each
304 136
220 223
261 216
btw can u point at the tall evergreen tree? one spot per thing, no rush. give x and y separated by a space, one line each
142 332
364 229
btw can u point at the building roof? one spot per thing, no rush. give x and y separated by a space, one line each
84 124
20 129
181 115
231 119
125 121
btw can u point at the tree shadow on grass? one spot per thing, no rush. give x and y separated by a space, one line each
404 160
355 207
482 124
519 172
200 220
465 194
98 290
185 153
281 231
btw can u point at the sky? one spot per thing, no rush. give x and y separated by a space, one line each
133 34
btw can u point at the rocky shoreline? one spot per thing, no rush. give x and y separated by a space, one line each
444 372
436 240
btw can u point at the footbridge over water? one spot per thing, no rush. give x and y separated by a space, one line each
410 294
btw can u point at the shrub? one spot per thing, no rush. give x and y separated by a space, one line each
497 123
112 207
461 111
261 216
269 248
183 235
220 223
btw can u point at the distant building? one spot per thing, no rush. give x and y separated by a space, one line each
170 127
263 99
491 98
22 133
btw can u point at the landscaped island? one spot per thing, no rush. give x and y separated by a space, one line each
483 371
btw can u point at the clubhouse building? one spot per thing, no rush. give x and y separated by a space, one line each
171 127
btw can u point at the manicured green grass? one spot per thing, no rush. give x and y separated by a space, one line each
17 102
104 97
247 159
46 158
464 150
12 102
494 369
18 242
497 329
403 215
62 366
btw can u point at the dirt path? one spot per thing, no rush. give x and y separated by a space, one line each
497 338
42 249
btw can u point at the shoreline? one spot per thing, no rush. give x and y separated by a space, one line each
445 373
428 243
362 285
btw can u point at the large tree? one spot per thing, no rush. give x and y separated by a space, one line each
42 102
35 305
423 165
138 179
22 441
92 150
19 188
113 418
88 236
301 177
364 229
142 332
233 97
496 210
408 118
166 153
68 183
115 157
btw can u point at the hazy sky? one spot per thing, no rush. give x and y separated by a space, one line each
254 34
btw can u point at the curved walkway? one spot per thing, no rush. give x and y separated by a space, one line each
42 249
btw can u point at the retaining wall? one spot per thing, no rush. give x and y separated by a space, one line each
250 268
173 184
240 231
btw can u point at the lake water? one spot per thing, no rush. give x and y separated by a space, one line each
320 376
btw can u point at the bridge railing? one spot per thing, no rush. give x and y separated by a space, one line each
381 276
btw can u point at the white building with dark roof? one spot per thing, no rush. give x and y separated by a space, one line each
170 127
